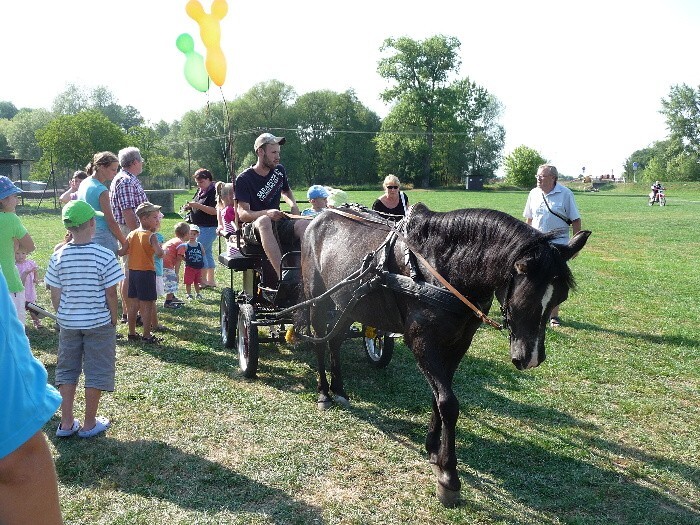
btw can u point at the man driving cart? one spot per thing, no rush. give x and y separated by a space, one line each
259 190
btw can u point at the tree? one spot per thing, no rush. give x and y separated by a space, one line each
76 99
682 112
21 133
449 127
7 110
521 166
69 141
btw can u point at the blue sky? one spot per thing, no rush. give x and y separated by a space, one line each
579 82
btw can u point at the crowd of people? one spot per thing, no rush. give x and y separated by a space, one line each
107 216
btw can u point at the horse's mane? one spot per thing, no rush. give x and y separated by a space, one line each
482 240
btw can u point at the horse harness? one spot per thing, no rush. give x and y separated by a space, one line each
446 296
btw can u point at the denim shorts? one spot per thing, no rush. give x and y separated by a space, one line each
107 239
91 351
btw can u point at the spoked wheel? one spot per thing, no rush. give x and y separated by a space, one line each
662 200
379 346
248 347
228 310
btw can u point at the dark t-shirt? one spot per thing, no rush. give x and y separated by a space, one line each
398 210
208 198
262 193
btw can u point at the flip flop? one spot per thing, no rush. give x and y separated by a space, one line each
68 433
101 424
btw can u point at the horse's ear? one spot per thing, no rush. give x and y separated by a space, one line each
521 266
578 241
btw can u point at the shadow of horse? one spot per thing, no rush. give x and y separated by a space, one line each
550 465
156 470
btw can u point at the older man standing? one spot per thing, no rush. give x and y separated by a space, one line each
551 207
125 195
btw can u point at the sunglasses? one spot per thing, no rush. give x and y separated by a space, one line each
392 187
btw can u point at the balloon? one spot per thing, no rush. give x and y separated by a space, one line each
195 71
210 32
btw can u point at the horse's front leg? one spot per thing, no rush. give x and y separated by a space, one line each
336 376
324 400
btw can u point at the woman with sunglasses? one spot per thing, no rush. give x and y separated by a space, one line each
394 201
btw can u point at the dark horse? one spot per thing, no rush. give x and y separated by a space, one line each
482 253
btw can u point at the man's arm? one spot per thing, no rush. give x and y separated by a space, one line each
288 197
246 215
130 218
576 225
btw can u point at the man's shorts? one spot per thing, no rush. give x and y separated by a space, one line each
91 351
142 285
282 229
193 275
170 284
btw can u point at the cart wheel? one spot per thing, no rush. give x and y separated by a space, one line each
247 341
662 201
229 317
378 349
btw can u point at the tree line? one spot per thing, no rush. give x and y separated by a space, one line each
440 129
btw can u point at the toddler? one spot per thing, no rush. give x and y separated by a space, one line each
192 252
318 198
226 213
160 285
171 265
28 274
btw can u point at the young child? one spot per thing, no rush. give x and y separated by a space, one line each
192 252
160 286
226 213
141 245
29 275
318 197
83 278
13 237
171 265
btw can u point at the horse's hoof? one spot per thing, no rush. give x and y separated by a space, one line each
324 405
342 401
449 498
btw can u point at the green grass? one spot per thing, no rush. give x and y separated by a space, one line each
607 430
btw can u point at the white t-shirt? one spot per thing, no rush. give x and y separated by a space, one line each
560 200
83 272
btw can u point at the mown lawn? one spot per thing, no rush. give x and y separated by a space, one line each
607 430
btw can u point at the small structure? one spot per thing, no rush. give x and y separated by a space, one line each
474 183
164 198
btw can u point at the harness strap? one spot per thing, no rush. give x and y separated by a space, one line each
389 228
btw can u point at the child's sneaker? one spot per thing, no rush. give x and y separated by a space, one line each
190 297
175 300
171 304
199 297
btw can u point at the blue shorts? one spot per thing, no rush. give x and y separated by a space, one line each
142 285
107 239
90 351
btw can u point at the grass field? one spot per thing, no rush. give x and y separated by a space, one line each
607 430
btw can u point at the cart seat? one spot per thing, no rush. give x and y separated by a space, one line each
235 260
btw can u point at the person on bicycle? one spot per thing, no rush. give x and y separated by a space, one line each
259 190
655 188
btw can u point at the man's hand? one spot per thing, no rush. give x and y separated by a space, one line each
275 215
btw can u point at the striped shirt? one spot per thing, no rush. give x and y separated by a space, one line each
125 192
83 272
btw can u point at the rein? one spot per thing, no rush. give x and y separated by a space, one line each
387 227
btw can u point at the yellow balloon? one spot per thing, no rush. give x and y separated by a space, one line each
210 32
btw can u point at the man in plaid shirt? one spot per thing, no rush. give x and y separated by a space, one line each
125 195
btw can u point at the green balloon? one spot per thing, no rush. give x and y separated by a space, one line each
195 70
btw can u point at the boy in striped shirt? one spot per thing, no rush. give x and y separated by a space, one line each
83 277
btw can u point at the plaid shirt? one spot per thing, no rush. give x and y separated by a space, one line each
125 192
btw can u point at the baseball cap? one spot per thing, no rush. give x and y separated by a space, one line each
7 187
146 207
78 212
194 228
317 192
268 138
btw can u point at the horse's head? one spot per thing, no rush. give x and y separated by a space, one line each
538 283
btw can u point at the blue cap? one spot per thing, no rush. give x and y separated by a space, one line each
317 192
7 187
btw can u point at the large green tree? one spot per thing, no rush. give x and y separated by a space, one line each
75 99
68 142
7 110
521 166
21 133
445 128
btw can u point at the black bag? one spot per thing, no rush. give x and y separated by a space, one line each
249 236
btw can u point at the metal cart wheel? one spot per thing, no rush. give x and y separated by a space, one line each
229 317
248 346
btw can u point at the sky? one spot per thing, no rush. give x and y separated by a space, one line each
581 82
